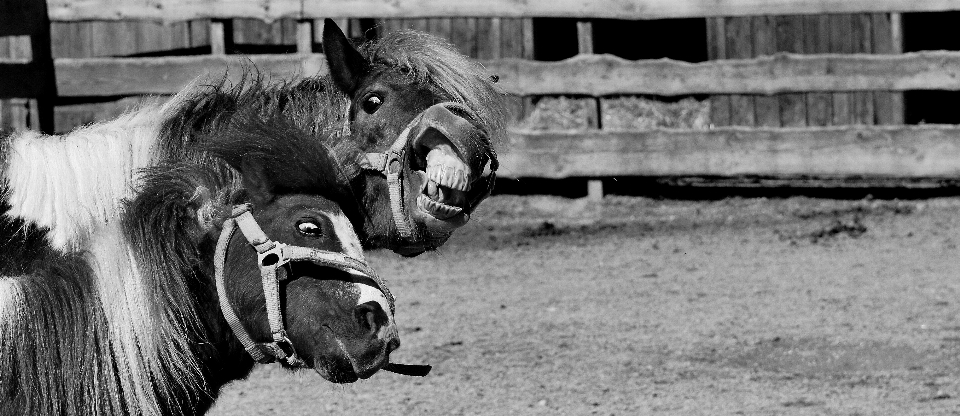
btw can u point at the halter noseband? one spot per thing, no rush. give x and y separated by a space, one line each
271 257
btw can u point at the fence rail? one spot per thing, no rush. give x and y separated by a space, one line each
169 10
594 75
861 151
834 79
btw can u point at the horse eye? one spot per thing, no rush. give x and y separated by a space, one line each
372 104
309 228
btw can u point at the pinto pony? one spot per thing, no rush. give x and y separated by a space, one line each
411 122
132 326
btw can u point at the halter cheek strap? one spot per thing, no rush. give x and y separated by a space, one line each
390 164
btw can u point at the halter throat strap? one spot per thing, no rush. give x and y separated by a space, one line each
272 256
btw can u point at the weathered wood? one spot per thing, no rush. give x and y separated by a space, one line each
790 35
841 28
73 10
585 47
861 151
816 40
767 108
304 36
862 112
463 34
883 44
610 75
740 45
717 49
896 41
218 37
119 76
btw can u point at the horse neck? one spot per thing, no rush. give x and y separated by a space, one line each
59 355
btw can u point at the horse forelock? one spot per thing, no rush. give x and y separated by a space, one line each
435 62
74 183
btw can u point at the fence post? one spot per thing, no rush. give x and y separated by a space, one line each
585 47
304 36
218 37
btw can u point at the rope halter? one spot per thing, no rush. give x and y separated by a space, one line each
272 256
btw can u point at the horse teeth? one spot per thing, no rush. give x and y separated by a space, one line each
438 210
447 170
432 189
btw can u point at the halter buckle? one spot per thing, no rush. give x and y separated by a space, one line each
273 257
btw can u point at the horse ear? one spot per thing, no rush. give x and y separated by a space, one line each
256 181
345 62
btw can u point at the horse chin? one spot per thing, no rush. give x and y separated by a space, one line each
334 363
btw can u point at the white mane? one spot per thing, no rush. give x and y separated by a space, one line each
74 183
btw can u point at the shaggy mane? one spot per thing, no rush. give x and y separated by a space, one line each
435 63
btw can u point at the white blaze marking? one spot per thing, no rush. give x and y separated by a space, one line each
350 245
349 241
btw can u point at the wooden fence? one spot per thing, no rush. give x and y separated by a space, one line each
785 148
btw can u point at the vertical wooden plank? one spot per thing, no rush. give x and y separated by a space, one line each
790 35
218 37
595 190
862 42
304 37
740 45
896 42
717 49
841 41
484 38
200 33
441 27
289 32
512 46
528 52
70 39
816 39
463 34
585 47
150 36
19 114
179 35
882 44
766 107
584 37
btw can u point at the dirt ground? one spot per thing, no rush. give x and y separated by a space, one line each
544 305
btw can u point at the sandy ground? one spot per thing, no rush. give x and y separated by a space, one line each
636 306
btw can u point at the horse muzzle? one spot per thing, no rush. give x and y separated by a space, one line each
452 148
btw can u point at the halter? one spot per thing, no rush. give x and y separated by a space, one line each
390 164
271 257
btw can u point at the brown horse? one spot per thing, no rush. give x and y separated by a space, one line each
133 327
411 121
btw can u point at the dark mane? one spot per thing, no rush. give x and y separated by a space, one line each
60 321
434 62
311 105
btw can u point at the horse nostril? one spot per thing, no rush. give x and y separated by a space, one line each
370 318
393 344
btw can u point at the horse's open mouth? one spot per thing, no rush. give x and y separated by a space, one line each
441 196
443 140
